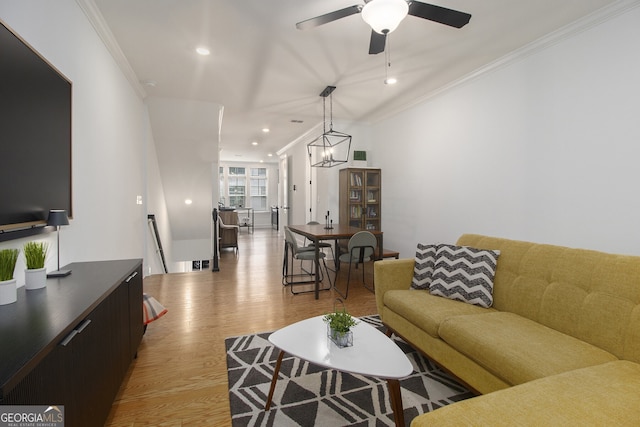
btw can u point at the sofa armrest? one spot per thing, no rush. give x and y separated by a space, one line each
391 274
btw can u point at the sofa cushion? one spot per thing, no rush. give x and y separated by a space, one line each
603 395
517 349
424 263
465 274
425 310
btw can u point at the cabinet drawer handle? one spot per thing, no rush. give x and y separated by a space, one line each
83 325
69 337
135 273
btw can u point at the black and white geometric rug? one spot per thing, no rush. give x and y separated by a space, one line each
308 395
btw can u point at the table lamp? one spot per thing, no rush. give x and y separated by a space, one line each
58 217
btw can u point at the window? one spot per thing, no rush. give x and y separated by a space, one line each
258 192
244 187
237 187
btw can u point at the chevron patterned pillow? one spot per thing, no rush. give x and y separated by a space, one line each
423 269
465 274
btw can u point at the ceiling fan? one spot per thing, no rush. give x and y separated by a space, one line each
384 16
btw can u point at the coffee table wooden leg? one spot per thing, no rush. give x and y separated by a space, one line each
274 380
396 401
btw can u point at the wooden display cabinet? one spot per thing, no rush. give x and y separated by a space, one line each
360 198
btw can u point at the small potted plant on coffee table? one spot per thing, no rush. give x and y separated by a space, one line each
339 324
35 254
8 288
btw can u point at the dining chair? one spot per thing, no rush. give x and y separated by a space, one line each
293 251
321 245
360 249
303 248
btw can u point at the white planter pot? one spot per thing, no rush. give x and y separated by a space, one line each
8 292
35 278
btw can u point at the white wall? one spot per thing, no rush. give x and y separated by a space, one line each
109 133
298 179
545 149
156 205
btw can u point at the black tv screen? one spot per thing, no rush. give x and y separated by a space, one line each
35 136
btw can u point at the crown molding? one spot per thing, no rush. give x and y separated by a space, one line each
104 32
306 137
592 20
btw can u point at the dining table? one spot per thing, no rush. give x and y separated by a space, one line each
336 232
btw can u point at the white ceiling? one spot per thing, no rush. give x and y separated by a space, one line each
266 73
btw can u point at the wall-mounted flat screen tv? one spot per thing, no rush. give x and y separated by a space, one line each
35 136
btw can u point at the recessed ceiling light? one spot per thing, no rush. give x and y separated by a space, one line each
390 81
265 130
254 143
261 161
188 201
270 155
203 51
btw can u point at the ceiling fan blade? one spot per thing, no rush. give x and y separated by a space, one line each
328 17
377 43
439 14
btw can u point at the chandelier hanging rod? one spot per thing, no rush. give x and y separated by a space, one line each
332 147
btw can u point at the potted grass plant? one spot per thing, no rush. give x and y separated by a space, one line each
8 288
35 275
339 324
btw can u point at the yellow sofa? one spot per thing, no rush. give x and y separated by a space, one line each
560 342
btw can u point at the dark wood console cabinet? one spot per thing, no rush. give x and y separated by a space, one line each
71 343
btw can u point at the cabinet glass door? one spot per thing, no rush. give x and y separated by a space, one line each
372 201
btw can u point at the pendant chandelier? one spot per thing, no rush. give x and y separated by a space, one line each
332 147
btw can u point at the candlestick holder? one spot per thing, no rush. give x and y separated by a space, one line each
328 222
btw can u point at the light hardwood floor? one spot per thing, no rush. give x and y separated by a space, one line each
180 375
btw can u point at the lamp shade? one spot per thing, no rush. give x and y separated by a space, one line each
58 217
384 16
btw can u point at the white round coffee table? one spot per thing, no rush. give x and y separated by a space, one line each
372 354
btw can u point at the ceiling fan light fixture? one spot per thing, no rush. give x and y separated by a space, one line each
203 51
384 16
